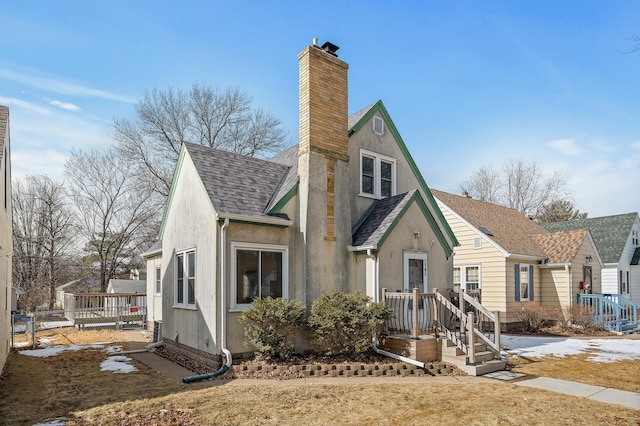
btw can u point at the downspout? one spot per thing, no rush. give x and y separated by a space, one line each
223 317
139 351
376 291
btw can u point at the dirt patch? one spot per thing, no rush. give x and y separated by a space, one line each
34 389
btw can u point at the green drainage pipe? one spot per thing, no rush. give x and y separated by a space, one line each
191 379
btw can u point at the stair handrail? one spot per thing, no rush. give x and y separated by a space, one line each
493 317
443 302
616 303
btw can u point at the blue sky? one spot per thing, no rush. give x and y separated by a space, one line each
467 83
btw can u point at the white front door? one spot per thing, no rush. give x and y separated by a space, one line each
415 272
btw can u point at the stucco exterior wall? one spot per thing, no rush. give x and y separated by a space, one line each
384 145
402 239
326 258
154 300
237 233
6 239
190 225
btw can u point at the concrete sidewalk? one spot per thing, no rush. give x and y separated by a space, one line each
597 393
173 371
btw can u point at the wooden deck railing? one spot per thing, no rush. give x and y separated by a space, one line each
463 323
612 311
98 308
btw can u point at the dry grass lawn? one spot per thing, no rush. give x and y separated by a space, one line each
70 385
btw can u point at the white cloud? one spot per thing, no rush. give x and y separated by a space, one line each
24 104
37 79
64 105
566 147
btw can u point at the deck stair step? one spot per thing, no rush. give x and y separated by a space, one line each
485 359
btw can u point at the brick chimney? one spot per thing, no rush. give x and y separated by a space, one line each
323 169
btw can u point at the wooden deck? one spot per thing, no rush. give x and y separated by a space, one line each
105 308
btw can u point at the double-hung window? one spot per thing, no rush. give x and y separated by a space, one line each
377 175
158 280
524 282
467 277
259 271
185 279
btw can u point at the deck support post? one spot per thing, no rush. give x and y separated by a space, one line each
497 331
471 338
414 329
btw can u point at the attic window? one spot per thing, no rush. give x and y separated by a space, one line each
486 231
378 125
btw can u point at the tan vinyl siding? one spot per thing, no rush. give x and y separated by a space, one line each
555 290
512 305
490 259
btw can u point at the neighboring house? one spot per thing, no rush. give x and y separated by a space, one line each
127 286
617 238
70 287
15 295
6 236
153 257
514 261
346 209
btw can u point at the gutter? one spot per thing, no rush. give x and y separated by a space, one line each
223 317
254 219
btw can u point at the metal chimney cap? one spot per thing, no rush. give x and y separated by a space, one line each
330 48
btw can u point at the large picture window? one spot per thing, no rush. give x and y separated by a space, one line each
185 279
377 175
259 271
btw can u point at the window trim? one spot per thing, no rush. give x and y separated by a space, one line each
414 255
381 121
185 289
518 281
377 174
235 246
463 275
477 243
157 280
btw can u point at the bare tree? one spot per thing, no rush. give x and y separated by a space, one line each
165 119
484 184
116 215
43 233
518 184
559 211
636 45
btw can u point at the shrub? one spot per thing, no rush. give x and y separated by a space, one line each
532 318
344 323
271 326
570 318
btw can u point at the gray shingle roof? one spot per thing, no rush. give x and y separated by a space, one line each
510 228
128 286
237 184
287 158
156 248
378 219
610 233
356 117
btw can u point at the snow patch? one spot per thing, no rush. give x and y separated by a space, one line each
111 350
117 364
48 351
600 350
